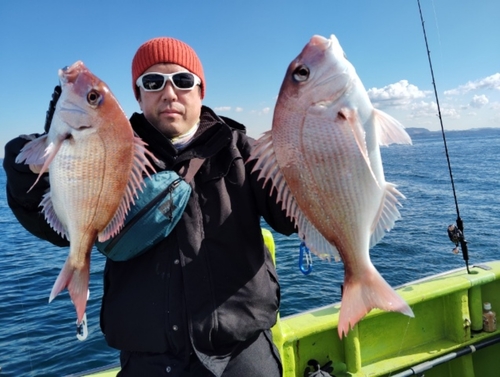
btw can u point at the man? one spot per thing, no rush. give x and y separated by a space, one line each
202 301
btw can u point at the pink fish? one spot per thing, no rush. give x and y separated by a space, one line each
322 156
95 166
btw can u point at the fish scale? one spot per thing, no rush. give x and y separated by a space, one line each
322 156
316 148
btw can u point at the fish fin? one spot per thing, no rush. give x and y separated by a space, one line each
155 160
36 152
136 182
315 240
263 152
51 216
33 152
350 117
387 215
270 171
360 296
389 130
77 282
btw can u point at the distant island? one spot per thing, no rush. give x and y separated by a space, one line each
416 132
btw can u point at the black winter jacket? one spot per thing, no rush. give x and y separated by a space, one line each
211 284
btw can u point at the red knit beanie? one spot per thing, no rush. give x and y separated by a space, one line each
166 50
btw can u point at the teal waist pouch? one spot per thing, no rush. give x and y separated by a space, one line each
155 213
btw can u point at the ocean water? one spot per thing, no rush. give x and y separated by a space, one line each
38 339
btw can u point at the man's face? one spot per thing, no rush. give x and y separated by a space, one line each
172 111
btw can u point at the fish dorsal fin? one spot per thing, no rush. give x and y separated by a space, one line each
140 166
270 171
51 216
389 130
387 215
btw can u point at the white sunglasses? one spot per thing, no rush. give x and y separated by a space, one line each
155 81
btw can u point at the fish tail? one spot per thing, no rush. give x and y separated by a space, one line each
368 292
77 282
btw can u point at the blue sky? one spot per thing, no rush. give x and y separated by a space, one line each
246 46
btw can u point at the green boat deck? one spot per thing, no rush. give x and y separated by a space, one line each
448 317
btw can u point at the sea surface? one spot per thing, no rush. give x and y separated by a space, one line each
38 339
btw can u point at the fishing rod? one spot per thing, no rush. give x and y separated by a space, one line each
455 233
419 369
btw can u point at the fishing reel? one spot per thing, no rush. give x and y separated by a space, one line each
456 236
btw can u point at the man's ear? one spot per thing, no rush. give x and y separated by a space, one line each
139 101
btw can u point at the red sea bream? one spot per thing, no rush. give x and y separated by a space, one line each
322 156
95 166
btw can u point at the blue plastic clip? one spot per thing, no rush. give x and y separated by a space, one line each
305 256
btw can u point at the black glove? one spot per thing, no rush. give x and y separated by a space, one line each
318 370
52 107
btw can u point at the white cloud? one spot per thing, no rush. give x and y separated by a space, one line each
398 94
238 109
479 101
222 108
263 111
423 109
426 109
450 113
490 82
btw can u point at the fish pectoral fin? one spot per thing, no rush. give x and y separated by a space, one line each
350 117
33 152
389 130
37 152
387 215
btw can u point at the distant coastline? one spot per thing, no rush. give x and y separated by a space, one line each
424 132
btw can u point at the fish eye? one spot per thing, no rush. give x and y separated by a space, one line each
93 98
301 73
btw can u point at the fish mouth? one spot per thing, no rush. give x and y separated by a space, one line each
320 42
328 46
70 73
